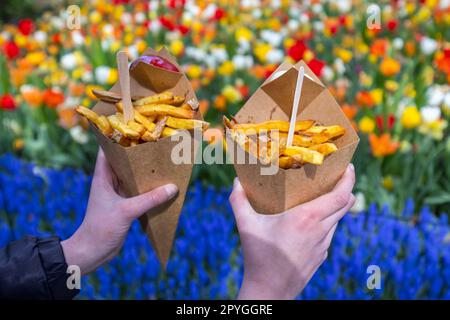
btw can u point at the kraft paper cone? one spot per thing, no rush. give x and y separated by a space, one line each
146 166
271 194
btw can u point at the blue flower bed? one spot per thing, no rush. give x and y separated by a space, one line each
412 253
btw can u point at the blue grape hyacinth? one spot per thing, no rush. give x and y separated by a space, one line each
411 251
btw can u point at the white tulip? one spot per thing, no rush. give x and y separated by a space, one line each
102 74
339 66
398 43
220 54
77 38
78 134
343 6
210 11
68 61
126 18
327 73
435 95
293 25
87 76
447 100
275 56
273 38
430 113
428 45
40 37
155 26
140 17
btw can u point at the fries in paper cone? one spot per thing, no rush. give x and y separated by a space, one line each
139 149
323 141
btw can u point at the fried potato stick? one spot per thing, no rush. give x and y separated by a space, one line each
157 132
122 127
324 148
330 131
301 140
282 126
162 98
165 110
104 126
186 124
87 113
304 155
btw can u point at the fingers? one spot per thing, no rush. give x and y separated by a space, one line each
103 172
329 203
334 218
239 203
136 206
328 237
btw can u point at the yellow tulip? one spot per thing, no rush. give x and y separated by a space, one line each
411 117
366 124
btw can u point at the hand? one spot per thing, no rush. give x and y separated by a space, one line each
108 219
283 251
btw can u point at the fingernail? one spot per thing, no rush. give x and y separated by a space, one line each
171 190
351 167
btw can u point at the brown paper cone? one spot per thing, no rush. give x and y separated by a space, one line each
146 166
271 194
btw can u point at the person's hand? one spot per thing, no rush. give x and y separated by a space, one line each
108 219
283 251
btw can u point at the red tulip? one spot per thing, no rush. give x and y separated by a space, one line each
316 66
297 51
392 25
11 50
183 29
219 14
26 26
380 123
7 102
391 121
167 23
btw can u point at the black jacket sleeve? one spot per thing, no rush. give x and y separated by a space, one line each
34 268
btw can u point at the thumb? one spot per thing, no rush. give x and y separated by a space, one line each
240 204
138 205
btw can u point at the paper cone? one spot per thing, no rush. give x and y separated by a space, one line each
271 194
146 166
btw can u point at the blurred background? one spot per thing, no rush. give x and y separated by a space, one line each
387 64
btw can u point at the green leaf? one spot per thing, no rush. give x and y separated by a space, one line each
442 198
4 76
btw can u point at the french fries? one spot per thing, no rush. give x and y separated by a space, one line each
154 117
186 124
282 126
165 110
164 97
311 143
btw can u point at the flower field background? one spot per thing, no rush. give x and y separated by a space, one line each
387 65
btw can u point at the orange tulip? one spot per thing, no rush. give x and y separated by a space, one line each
389 67
67 118
364 99
52 98
204 106
350 111
383 145
379 47
220 103
32 96
76 89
